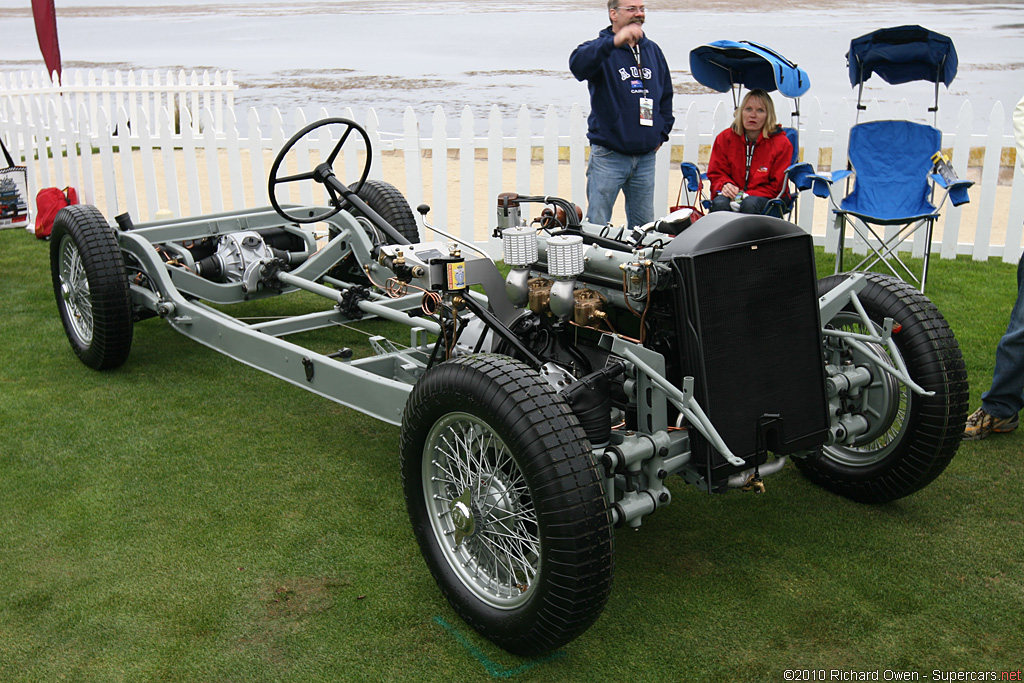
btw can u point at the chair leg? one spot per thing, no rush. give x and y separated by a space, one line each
841 225
888 249
927 251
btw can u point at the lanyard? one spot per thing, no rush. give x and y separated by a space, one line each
635 49
750 157
646 103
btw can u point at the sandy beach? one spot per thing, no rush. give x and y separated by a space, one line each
394 54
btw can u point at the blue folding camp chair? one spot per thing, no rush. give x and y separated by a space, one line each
693 187
892 162
729 66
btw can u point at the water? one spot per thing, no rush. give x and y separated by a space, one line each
392 54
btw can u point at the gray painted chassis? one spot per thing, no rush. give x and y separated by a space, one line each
379 385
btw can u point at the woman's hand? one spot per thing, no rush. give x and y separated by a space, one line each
730 190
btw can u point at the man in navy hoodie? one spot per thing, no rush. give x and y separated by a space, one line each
630 113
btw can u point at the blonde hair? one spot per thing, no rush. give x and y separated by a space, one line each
770 122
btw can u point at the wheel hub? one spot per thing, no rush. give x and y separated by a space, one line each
883 402
463 516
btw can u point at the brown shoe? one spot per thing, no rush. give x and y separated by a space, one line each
980 424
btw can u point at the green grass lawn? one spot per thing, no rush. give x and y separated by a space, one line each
187 518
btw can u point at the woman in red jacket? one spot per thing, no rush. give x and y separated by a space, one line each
749 160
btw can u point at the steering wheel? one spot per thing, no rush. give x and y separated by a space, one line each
322 173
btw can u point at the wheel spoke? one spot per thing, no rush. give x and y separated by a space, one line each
451 455
337 148
517 516
510 558
294 178
491 542
76 292
453 477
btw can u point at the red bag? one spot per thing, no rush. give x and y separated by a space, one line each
49 201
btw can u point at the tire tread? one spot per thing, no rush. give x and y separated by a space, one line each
110 294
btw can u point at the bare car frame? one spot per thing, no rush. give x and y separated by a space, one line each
542 408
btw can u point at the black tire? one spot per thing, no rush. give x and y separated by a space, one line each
391 205
491 421
913 437
90 283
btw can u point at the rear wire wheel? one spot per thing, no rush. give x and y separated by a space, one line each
390 204
506 502
90 283
911 438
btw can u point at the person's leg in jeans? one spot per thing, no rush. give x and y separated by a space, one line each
751 204
720 203
639 190
1005 398
607 171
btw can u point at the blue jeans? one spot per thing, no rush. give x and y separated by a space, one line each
608 172
1006 397
749 204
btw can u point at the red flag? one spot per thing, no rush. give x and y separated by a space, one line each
46 31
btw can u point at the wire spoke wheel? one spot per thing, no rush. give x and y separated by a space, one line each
74 291
506 503
90 284
481 510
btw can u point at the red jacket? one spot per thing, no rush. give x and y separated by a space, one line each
771 158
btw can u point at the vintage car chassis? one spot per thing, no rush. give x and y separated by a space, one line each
529 432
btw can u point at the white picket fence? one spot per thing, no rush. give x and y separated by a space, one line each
135 92
445 162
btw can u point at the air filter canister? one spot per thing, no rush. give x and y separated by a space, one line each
519 247
565 255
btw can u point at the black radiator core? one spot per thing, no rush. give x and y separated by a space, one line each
751 339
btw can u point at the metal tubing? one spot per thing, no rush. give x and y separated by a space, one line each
739 479
632 507
689 407
376 309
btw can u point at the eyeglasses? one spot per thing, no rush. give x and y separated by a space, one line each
633 9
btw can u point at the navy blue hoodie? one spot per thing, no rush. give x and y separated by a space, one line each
616 86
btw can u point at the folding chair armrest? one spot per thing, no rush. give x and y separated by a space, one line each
956 191
800 175
941 182
821 183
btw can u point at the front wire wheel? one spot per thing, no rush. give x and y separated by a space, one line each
910 438
481 511
506 502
